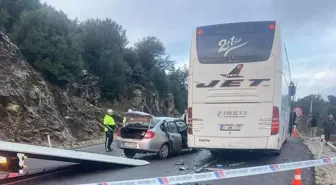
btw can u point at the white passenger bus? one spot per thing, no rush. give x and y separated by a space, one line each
238 96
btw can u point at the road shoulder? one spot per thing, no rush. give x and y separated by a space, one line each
324 175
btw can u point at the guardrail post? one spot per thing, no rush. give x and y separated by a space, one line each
49 142
321 146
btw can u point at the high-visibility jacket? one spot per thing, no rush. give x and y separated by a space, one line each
109 121
124 120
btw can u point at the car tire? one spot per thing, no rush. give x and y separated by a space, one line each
164 151
129 153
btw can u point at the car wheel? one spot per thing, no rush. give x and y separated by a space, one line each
129 153
164 151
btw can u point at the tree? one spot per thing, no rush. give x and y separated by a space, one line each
152 53
11 11
104 43
61 48
50 42
332 99
178 87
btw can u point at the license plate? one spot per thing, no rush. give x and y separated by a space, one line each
230 127
129 145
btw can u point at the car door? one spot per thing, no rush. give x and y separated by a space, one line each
174 135
182 128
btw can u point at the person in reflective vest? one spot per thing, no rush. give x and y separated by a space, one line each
109 128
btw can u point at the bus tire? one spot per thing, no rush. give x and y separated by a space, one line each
129 153
277 153
194 150
215 153
164 151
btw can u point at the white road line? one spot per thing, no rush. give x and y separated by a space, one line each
93 146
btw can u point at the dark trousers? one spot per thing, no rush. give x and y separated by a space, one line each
327 136
108 140
290 130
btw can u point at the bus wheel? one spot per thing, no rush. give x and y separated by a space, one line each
277 153
194 150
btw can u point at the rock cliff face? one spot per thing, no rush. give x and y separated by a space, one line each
31 108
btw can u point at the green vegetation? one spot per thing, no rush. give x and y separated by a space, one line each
61 48
321 107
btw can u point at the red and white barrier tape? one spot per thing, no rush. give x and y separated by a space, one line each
223 174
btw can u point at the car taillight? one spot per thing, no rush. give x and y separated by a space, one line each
190 131
149 134
118 132
275 121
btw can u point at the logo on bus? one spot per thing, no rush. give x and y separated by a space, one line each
235 73
229 45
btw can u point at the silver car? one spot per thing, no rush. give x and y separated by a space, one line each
144 133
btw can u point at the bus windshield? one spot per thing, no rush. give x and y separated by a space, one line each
235 42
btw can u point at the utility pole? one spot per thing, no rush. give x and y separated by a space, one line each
311 104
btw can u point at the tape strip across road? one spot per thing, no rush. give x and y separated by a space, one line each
224 174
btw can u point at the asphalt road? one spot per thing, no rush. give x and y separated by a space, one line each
293 150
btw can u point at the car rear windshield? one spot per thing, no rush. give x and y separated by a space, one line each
154 122
235 42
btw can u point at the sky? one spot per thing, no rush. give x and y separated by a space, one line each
308 28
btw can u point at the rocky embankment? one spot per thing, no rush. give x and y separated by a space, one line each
31 108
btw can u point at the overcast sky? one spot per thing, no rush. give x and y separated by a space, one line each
309 28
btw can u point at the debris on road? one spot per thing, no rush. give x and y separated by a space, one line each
201 170
213 169
323 174
183 168
179 163
219 166
236 164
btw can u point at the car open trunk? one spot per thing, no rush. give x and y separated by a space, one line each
136 125
133 131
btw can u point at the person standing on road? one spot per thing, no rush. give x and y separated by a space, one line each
184 116
292 121
109 128
329 126
313 127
